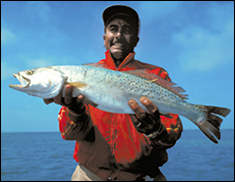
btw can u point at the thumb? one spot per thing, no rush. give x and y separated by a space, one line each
48 101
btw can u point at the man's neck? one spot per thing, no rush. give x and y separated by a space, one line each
119 60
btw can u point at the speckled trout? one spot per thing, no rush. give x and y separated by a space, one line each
110 91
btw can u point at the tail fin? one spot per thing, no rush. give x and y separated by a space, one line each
211 125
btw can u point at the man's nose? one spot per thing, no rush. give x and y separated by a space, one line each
119 34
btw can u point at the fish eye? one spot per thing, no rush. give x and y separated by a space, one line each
29 72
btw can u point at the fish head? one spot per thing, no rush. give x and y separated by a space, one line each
42 82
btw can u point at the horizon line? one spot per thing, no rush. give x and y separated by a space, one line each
3 132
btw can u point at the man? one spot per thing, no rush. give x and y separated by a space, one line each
113 146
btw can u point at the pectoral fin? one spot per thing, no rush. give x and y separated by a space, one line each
80 85
77 84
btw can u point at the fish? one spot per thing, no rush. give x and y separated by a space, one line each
111 90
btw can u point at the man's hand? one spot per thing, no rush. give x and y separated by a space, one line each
146 122
75 104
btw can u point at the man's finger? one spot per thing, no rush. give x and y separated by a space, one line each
68 94
80 99
77 104
58 99
140 113
48 101
134 119
149 105
154 115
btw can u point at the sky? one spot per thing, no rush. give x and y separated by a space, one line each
193 41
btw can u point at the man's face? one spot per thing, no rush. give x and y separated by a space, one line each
120 38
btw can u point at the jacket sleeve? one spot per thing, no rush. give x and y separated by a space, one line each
72 130
172 125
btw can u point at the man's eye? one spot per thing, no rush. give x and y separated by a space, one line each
113 29
127 30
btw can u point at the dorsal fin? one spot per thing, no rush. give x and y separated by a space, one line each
159 80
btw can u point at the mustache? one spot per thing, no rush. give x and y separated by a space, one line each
122 43
117 40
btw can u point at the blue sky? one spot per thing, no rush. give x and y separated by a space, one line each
193 41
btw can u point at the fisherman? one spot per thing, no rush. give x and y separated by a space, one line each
112 146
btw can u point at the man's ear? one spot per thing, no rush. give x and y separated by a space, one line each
135 42
105 44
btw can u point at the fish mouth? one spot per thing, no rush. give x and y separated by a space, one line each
25 82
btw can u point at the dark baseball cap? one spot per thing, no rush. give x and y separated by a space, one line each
121 11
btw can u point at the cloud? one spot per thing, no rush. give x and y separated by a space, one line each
38 10
152 11
30 61
204 48
36 63
44 61
7 70
7 36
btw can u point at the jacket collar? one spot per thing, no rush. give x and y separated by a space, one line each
111 64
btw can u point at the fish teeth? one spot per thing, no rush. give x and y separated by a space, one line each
24 82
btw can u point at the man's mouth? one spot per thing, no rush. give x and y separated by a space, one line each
118 46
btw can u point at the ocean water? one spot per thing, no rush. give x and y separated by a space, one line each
47 157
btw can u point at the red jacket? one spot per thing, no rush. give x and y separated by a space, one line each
115 141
